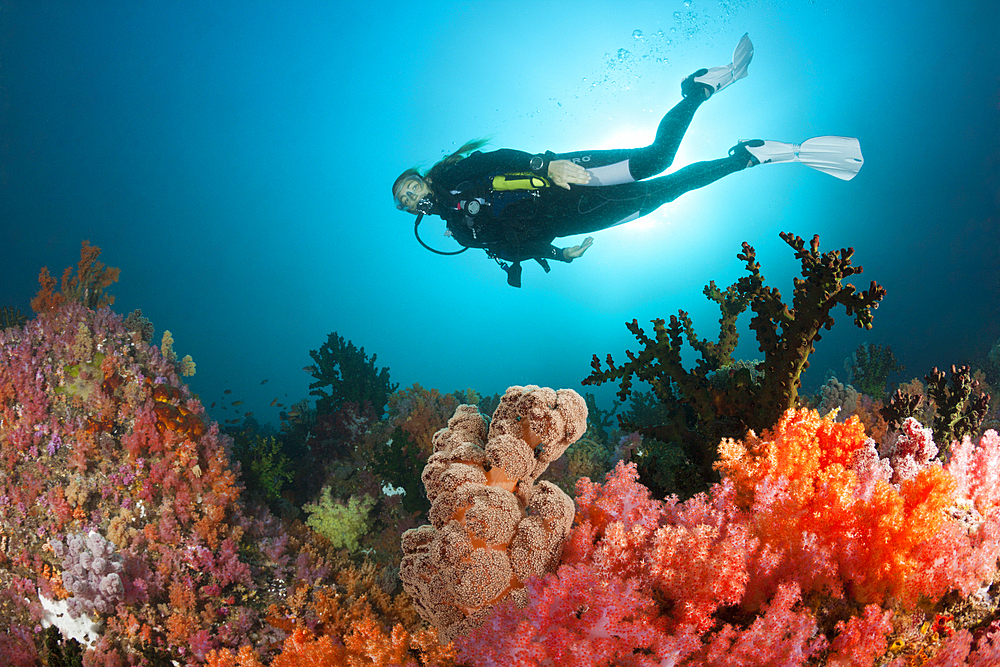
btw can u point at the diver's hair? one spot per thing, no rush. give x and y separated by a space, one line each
467 148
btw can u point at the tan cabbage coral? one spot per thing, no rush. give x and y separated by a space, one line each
493 527
838 396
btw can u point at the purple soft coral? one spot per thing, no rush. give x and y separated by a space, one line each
91 571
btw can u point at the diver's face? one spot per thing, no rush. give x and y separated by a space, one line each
411 191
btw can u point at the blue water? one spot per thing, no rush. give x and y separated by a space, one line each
235 161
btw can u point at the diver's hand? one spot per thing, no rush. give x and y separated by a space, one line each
564 172
578 250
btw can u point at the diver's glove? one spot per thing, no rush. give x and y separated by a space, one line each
513 274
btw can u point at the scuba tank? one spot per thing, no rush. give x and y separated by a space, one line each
513 188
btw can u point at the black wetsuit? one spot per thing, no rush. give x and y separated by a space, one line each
515 225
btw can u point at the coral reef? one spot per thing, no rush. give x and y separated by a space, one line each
99 437
493 527
806 552
701 412
827 540
125 453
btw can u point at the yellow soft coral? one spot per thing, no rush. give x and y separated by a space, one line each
342 524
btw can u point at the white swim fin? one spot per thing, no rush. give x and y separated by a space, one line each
718 78
837 156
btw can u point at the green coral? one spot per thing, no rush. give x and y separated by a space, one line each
960 406
871 367
343 525
11 317
266 469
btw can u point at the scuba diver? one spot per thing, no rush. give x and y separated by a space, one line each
514 204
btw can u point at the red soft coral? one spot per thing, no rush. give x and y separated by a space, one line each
781 637
861 639
700 559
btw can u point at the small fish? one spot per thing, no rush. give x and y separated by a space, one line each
281 405
212 405
247 414
237 403
310 369
274 402
264 381
228 391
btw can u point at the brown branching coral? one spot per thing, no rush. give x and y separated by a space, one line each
959 408
705 409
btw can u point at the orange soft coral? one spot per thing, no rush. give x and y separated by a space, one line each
824 505
364 644
301 649
86 287
421 413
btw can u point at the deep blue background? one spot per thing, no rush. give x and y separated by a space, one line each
235 161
